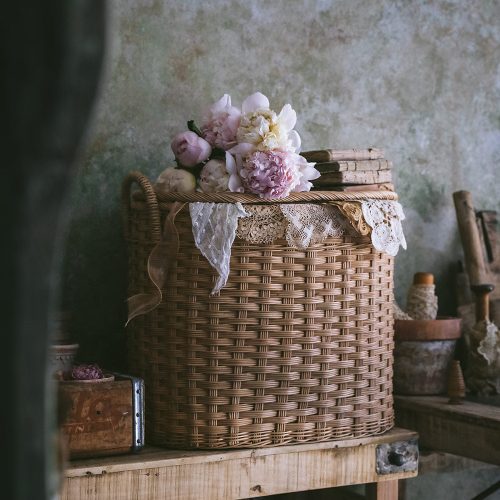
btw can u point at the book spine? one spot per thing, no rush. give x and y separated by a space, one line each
353 166
368 177
325 155
386 186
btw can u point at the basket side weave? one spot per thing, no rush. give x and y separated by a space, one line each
296 348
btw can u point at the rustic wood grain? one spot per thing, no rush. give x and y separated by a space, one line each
440 462
97 418
491 230
427 329
471 429
326 155
387 490
471 239
215 475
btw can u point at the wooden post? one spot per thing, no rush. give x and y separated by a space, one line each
383 490
471 239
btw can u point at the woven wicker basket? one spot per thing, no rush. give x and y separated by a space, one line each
296 348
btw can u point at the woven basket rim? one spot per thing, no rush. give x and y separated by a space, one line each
244 198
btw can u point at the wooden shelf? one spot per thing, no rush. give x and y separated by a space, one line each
157 473
470 429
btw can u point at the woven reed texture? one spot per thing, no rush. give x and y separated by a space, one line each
296 348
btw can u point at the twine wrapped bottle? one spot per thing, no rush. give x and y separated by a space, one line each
422 302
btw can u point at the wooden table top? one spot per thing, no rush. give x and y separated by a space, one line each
159 473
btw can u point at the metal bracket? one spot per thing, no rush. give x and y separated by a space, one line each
400 456
138 409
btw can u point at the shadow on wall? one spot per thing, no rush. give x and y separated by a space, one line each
95 288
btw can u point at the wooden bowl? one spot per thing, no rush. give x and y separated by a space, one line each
444 328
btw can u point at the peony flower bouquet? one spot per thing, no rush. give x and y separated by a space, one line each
252 150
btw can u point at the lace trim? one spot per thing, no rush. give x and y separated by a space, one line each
264 224
216 225
384 218
301 225
214 230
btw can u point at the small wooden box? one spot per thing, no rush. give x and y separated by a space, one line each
102 418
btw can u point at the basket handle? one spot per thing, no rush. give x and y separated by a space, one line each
151 203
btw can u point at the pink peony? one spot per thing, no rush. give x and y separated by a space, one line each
190 149
221 124
275 174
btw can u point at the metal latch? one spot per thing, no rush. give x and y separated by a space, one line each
400 456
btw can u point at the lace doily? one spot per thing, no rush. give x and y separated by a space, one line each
311 224
483 370
214 230
384 217
301 225
264 224
216 225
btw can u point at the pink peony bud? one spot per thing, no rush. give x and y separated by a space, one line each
221 123
190 149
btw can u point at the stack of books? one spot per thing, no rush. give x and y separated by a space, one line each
351 170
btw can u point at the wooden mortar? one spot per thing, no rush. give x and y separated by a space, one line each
423 352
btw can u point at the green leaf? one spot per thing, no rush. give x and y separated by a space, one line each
218 153
192 126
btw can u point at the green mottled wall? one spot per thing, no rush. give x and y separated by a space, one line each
419 79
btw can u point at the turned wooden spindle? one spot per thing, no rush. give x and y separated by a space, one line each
456 383
482 294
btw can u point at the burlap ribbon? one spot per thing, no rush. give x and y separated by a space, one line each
161 257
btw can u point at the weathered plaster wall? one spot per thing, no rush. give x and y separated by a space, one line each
420 79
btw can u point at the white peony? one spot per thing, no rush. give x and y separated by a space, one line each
264 129
175 179
214 176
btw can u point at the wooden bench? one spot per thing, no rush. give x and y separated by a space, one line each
470 429
157 473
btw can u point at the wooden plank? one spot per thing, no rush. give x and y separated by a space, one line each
219 475
431 461
326 155
471 239
387 490
159 457
470 429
